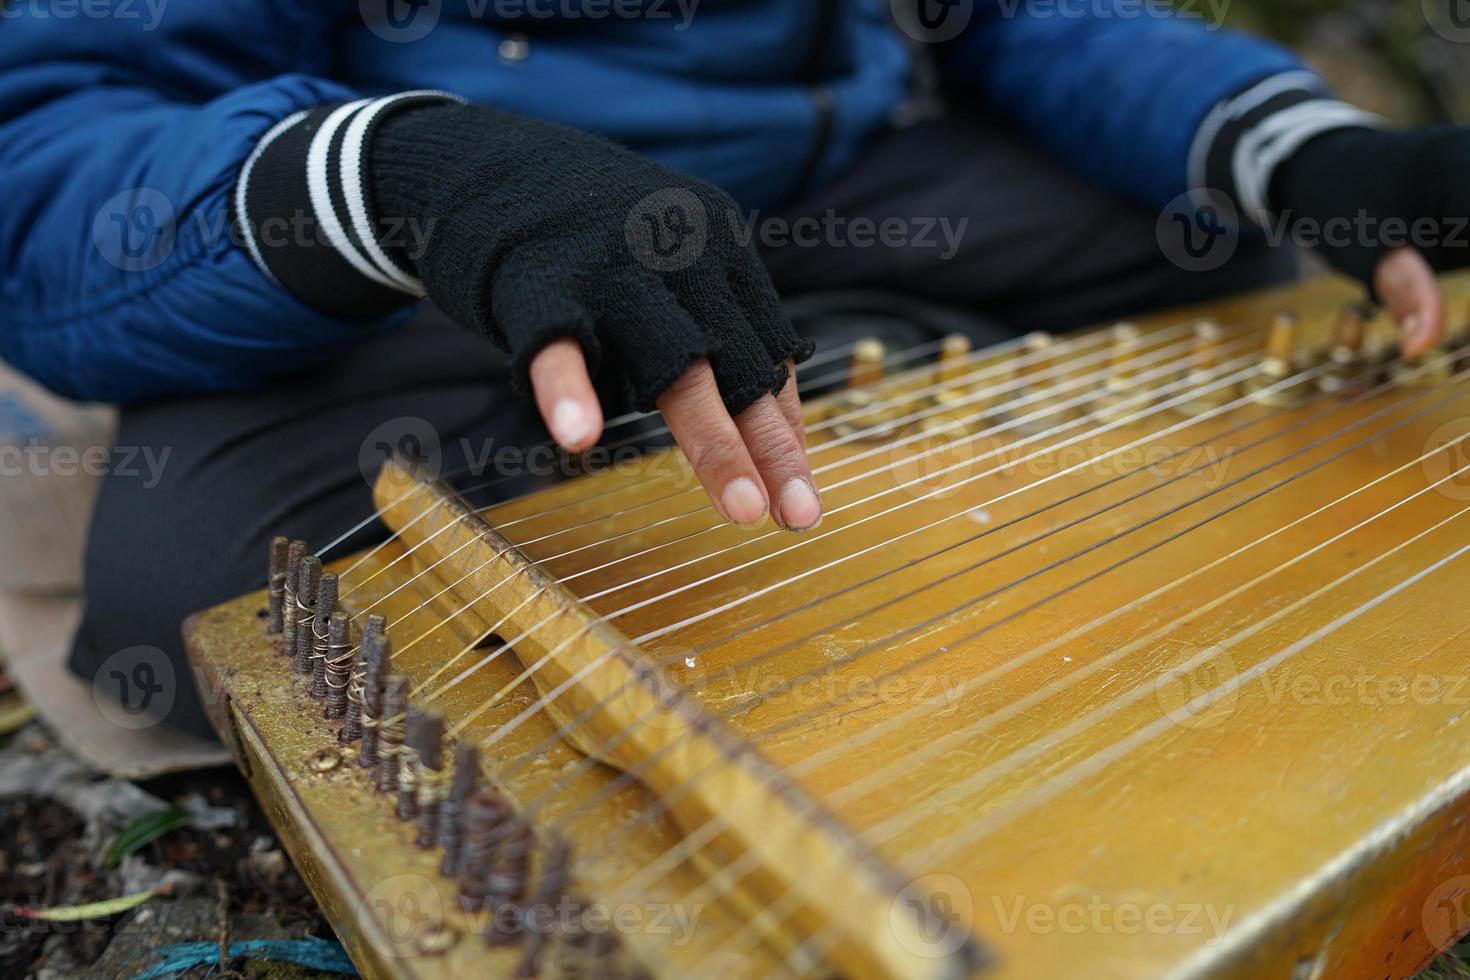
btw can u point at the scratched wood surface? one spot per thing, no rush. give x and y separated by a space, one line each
1139 693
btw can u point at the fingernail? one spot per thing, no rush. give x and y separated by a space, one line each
1412 324
570 423
801 509
743 502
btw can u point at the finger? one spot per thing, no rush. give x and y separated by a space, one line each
1410 292
790 401
565 396
782 462
713 445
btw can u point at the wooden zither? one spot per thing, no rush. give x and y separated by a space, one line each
1135 652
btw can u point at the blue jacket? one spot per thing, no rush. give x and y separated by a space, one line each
122 135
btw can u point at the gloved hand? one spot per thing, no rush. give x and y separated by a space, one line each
536 232
1389 208
568 251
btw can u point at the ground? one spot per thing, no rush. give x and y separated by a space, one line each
226 876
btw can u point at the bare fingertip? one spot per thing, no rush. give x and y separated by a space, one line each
743 502
572 425
799 507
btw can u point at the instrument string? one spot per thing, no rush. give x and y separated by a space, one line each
1075 773
914 353
929 749
995 352
949 794
1167 370
631 775
984 394
1058 370
826 938
665 800
942 490
993 529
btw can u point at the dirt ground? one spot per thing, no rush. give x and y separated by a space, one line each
228 879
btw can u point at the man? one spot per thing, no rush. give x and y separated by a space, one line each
222 217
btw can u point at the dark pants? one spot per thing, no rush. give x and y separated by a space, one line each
983 222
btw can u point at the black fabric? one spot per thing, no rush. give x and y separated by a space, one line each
1356 194
287 229
537 231
1042 250
1219 176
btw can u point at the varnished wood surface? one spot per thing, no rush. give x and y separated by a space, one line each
1193 708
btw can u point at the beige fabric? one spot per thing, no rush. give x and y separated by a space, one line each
35 635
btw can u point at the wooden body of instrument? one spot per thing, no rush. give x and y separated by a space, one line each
1143 677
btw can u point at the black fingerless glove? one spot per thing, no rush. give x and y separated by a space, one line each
523 231
1356 194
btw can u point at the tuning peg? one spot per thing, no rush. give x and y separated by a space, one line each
1345 356
1270 386
1122 395
954 358
1205 357
852 411
953 406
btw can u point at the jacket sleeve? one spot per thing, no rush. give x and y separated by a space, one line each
1141 98
121 275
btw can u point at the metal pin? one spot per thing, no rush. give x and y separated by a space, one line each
954 358
509 881
864 372
866 364
326 605
275 581
1126 342
538 916
431 779
406 807
308 581
1279 363
337 660
1037 373
357 680
379 659
1204 365
486 817
295 551
390 733
1346 357
451 814
1281 344
956 406
1121 395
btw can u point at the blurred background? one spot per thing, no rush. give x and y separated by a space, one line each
1406 59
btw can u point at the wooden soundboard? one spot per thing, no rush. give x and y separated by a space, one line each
1201 714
